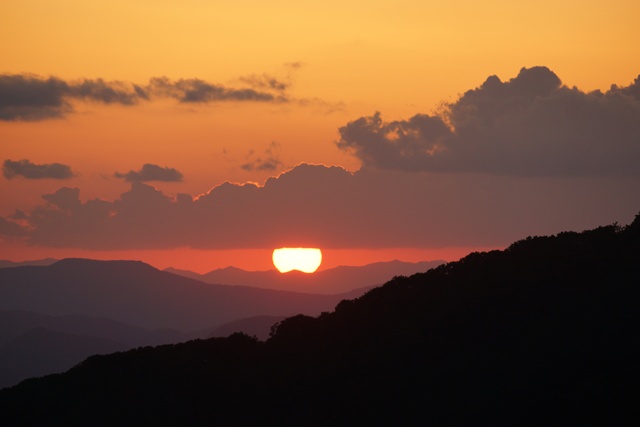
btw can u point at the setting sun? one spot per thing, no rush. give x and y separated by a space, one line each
306 260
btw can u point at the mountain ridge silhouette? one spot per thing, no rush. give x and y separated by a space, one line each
334 280
136 293
47 301
542 333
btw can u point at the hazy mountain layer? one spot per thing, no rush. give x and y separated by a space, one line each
138 294
73 291
33 344
40 262
331 281
542 333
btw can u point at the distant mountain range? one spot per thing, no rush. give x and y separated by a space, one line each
331 281
15 323
542 333
38 262
53 314
33 344
138 294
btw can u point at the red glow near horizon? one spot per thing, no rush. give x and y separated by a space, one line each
203 261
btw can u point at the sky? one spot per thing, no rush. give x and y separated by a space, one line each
201 134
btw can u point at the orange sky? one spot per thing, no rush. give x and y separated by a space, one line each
339 60
203 261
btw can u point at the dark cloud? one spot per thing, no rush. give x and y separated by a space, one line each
66 199
11 229
25 97
200 91
530 125
151 172
329 207
269 161
108 92
18 214
29 98
24 168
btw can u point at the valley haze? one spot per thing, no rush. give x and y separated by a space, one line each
542 332
54 314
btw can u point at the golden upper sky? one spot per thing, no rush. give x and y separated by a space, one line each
337 60
377 52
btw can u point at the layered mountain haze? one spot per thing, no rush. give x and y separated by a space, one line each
541 333
33 344
138 294
331 281
14 323
41 262
41 351
53 314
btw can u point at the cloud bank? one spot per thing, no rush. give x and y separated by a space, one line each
24 168
151 172
506 160
329 207
531 125
25 97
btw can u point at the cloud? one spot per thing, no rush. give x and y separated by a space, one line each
265 81
151 172
528 156
108 92
66 199
25 97
329 207
531 125
29 98
200 91
295 65
24 168
11 229
18 214
270 161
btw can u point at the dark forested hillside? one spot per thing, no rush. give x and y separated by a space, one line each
542 333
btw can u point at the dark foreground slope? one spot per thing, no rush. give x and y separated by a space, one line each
543 333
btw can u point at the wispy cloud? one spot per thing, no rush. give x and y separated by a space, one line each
25 97
200 91
268 161
266 81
